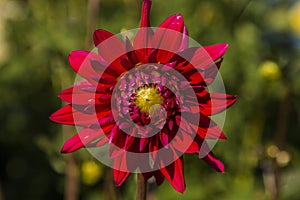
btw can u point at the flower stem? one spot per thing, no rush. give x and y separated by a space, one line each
141 187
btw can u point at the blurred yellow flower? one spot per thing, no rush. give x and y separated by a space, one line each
283 158
91 172
294 18
269 70
272 151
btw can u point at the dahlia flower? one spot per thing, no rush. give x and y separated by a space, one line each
146 102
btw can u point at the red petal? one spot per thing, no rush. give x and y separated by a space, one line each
67 115
110 48
120 177
131 53
145 21
80 61
214 103
214 162
216 51
207 54
159 177
168 38
208 129
164 137
210 72
175 175
77 96
184 40
119 166
82 138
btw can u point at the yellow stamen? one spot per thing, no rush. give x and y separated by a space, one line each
146 97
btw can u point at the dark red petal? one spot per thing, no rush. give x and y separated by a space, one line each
72 116
120 177
143 38
210 72
143 143
175 175
81 88
214 162
79 140
208 129
168 38
119 166
77 96
204 56
182 142
215 103
80 61
164 136
153 148
143 43
67 115
159 177
185 39
216 51
131 55
110 48
145 21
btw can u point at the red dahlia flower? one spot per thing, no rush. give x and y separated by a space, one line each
146 103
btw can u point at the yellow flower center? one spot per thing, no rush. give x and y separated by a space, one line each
146 97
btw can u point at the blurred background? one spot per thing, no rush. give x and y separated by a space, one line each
261 66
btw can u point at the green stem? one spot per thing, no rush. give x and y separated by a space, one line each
141 188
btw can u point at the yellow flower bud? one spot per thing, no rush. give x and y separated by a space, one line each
91 172
269 70
294 19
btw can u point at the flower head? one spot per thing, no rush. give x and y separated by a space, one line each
145 103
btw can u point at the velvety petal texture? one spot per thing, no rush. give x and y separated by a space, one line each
91 103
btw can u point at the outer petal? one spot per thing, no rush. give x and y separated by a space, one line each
145 21
214 162
79 140
119 165
200 65
80 61
185 39
206 128
142 41
159 177
67 115
76 96
169 37
215 103
110 48
175 175
70 116
207 54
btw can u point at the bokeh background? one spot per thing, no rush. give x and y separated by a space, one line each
262 67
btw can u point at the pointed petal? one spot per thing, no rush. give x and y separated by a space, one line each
120 166
80 61
168 38
175 175
214 103
67 115
145 21
120 177
159 177
79 140
184 40
207 54
110 47
211 160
